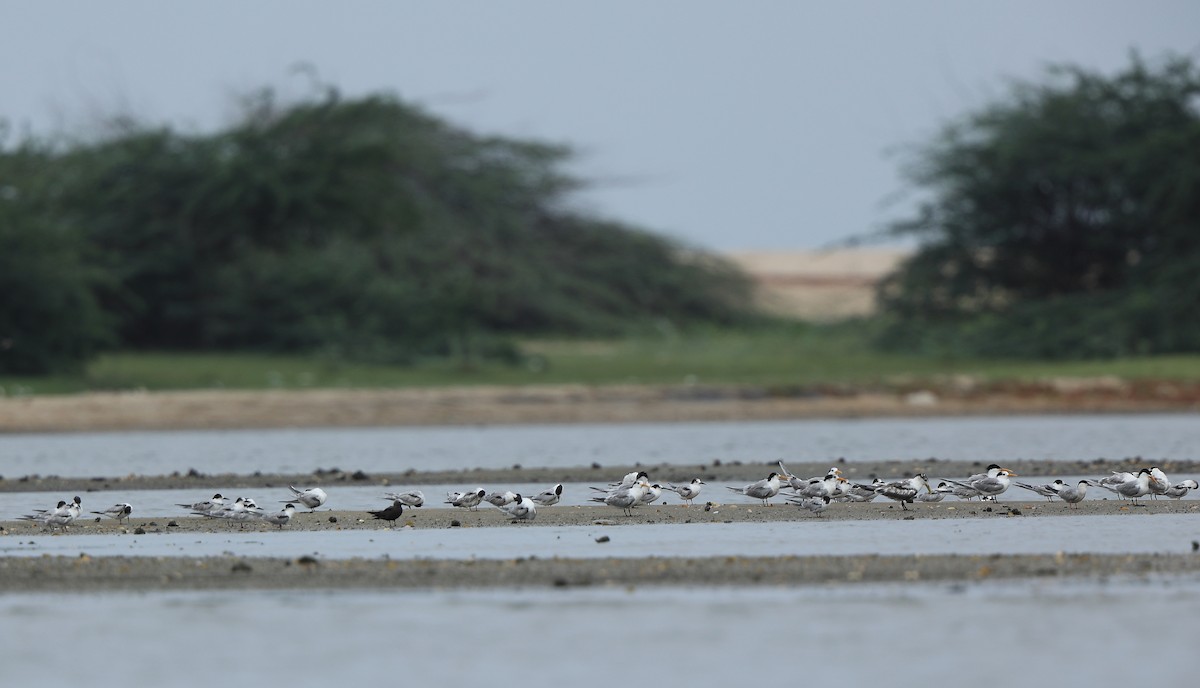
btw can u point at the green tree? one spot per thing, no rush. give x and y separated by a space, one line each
49 317
360 228
1062 221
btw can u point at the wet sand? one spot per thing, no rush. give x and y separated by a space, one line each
726 511
87 574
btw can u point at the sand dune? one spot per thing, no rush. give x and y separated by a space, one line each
818 285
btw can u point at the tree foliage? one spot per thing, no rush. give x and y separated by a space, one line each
50 318
1064 221
363 228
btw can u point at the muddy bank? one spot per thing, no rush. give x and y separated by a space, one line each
86 574
208 409
727 510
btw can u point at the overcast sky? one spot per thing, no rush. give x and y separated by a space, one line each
731 125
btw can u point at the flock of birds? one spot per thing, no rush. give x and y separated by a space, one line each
815 494
240 510
635 489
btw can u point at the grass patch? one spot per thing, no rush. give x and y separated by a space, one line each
777 356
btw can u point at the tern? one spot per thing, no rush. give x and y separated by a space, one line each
63 508
814 504
1133 489
829 486
1073 495
687 492
207 505
240 511
797 482
549 497
501 498
1180 489
282 517
312 498
61 516
37 514
992 484
653 492
410 498
625 498
1117 478
963 492
391 513
117 511
59 509
857 492
904 491
936 495
764 489
466 500
1159 484
630 478
1048 491
520 509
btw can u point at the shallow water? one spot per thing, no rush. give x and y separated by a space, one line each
1174 436
1125 533
987 634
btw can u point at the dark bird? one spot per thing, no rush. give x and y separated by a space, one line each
389 514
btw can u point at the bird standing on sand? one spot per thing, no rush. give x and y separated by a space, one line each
466 500
207 505
549 497
61 516
797 483
1117 478
1048 491
653 492
764 489
499 499
1132 489
282 517
389 514
1159 483
829 486
904 491
814 504
991 484
936 495
521 509
687 492
1073 495
410 498
858 492
1181 488
117 511
625 497
312 498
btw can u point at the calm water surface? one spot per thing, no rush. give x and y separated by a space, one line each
1165 436
1119 632
986 634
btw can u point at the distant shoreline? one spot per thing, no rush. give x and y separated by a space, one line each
142 574
233 409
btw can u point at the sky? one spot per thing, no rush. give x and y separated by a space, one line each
748 125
